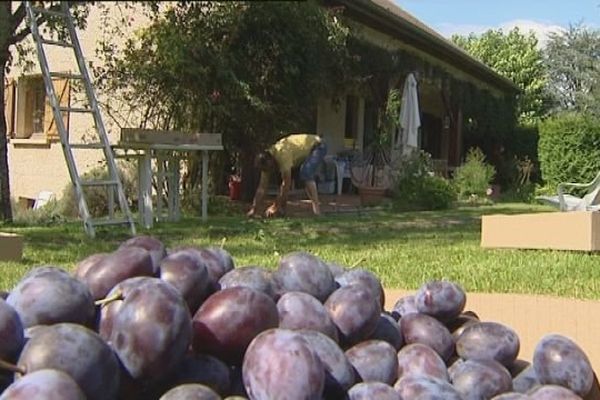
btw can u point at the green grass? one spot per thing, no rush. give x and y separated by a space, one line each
404 249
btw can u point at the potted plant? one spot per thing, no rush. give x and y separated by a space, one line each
372 169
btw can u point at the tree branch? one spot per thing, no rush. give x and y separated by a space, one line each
18 17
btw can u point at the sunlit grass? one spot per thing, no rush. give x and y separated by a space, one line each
404 249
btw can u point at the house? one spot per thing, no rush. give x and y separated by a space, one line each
35 155
36 159
440 67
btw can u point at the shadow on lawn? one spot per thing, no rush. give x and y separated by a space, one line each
251 237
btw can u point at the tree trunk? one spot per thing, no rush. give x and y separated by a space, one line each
5 206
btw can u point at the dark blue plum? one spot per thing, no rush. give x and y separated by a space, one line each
355 313
189 275
374 361
372 390
44 384
254 277
304 272
299 310
443 300
49 295
558 360
150 330
78 352
279 364
228 320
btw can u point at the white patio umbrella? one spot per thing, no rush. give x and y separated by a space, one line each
410 118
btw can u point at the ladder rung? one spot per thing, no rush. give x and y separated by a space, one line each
86 145
99 183
56 42
98 222
76 109
40 10
65 75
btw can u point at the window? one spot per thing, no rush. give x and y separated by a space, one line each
28 111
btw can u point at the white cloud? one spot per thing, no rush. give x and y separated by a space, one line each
540 29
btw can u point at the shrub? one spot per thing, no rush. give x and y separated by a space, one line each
97 197
49 214
473 178
416 188
569 148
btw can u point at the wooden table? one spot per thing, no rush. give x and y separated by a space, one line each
172 153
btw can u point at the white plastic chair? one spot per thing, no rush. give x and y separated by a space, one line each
567 202
42 199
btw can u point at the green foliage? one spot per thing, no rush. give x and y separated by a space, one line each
514 55
569 148
97 196
472 179
572 58
416 188
246 69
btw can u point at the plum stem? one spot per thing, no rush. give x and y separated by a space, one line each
107 300
12 367
223 242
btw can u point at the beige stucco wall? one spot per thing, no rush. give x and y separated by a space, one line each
36 165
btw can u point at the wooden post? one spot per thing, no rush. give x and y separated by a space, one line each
204 185
145 182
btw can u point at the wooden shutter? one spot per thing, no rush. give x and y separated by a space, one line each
62 90
9 107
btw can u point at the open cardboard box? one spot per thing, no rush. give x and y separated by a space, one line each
532 317
574 230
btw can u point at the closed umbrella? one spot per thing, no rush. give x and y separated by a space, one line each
410 118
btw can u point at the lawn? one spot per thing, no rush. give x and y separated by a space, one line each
404 249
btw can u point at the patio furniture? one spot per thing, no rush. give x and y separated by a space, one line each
567 202
169 147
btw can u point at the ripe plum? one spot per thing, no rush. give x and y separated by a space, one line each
304 272
229 319
374 361
355 313
299 310
49 295
279 364
443 300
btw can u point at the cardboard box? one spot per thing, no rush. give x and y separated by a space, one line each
11 247
576 230
532 317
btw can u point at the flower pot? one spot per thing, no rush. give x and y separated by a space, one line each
371 196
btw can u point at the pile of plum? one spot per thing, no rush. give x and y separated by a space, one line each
146 323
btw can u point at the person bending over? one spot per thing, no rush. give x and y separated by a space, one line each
299 149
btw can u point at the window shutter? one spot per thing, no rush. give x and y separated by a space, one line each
9 107
62 90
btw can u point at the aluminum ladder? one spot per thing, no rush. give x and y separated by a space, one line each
100 142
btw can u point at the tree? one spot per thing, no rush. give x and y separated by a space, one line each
249 70
13 32
572 58
514 55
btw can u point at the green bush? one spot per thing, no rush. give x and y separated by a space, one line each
416 188
569 148
473 178
97 196
49 214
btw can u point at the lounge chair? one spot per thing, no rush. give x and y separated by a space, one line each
567 202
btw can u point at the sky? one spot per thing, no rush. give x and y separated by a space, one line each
448 17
